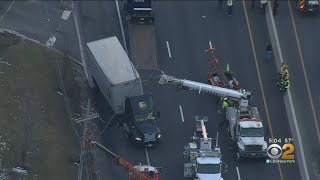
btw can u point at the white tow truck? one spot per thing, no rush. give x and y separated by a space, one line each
245 127
203 163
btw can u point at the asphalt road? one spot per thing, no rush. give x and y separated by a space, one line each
40 20
307 28
188 35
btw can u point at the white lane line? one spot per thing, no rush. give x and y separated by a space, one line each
210 45
65 15
51 41
82 51
121 26
239 178
147 156
168 47
181 113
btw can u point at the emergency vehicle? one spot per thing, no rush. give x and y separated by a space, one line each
309 6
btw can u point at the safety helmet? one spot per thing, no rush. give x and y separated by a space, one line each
225 99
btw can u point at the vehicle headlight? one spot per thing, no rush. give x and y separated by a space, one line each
264 147
241 146
137 138
158 136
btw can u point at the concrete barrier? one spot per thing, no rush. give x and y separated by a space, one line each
276 48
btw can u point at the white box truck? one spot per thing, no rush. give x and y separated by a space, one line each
120 83
113 72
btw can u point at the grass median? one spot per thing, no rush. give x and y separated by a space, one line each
36 137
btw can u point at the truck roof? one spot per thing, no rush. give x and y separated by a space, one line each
113 60
137 100
250 124
208 160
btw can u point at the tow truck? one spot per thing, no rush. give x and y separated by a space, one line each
219 77
139 172
308 6
244 124
204 163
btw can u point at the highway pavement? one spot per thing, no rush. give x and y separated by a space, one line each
298 37
188 26
40 20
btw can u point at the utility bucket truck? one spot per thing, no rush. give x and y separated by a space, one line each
139 172
244 124
245 129
119 82
203 162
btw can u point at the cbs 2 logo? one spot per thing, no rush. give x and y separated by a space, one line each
274 151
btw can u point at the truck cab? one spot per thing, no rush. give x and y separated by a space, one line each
139 12
251 141
208 168
309 6
139 122
245 129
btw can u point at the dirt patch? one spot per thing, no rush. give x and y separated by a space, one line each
35 130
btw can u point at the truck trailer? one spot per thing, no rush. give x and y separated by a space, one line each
142 34
120 83
113 72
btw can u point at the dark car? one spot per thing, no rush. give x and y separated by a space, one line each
139 122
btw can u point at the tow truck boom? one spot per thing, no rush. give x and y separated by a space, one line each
205 88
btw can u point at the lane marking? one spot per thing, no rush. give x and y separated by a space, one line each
294 118
259 76
65 15
51 41
168 47
210 45
147 156
8 9
75 17
181 113
239 178
304 72
121 27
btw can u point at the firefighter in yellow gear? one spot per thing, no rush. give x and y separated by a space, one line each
284 81
284 84
227 69
284 72
225 103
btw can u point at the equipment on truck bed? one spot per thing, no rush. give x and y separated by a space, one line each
244 124
219 77
139 172
204 162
